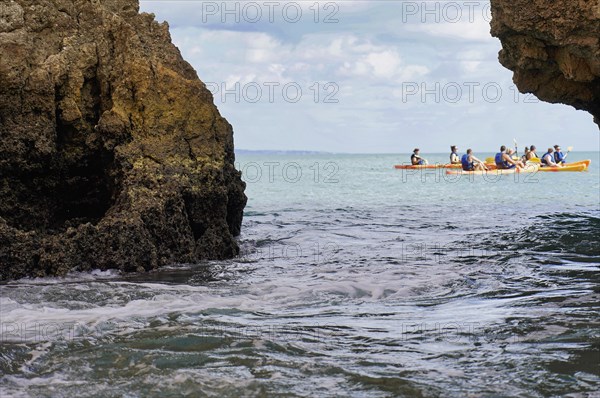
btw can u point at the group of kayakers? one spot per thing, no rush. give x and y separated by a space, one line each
504 159
554 157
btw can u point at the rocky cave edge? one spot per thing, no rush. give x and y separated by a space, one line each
112 152
553 48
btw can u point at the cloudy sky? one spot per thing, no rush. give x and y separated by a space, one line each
363 76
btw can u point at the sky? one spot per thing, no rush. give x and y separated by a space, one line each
363 76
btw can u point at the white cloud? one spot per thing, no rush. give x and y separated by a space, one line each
384 63
317 57
261 47
470 60
381 63
368 62
478 30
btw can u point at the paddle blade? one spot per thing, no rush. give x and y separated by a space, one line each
569 149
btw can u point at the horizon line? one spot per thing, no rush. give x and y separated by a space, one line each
311 151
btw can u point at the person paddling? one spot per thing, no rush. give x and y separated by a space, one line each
504 159
509 153
548 159
559 157
532 154
524 157
417 160
454 159
470 162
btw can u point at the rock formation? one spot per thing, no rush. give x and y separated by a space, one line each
553 48
112 153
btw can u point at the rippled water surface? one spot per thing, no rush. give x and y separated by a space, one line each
355 279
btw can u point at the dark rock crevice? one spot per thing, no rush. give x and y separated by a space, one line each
86 188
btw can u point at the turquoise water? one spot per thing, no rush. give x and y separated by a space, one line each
332 181
355 279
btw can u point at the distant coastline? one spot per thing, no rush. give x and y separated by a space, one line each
302 152
277 152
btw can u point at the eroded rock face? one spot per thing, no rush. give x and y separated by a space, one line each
112 153
553 47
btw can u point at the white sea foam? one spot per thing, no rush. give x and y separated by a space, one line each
34 322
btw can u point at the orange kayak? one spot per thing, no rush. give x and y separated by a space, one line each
427 166
586 162
575 166
567 167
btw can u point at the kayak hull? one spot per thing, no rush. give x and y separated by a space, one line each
575 166
495 171
567 168
580 165
480 172
585 162
427 166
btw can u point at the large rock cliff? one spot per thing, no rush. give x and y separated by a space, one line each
112 153
553 47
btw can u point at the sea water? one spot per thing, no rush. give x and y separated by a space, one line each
354 279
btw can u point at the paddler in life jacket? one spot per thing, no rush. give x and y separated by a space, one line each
532 154
417 160
548 159
454 159
470 162
504 159
559 157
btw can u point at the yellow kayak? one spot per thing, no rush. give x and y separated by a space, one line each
585 162
570 166
567 167
493 160
529 169
532 160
